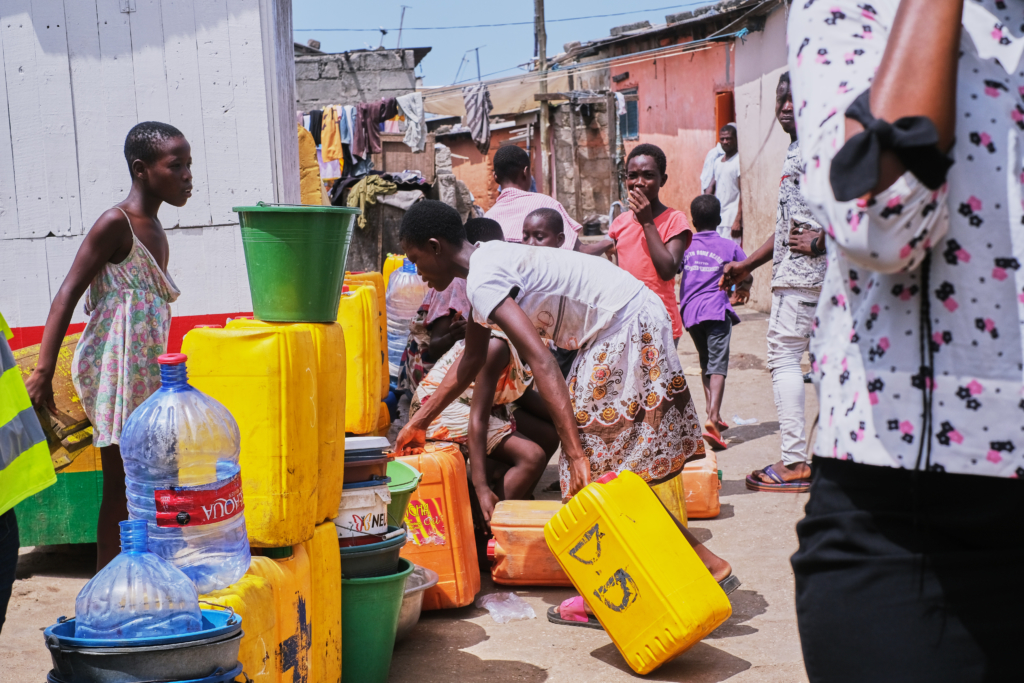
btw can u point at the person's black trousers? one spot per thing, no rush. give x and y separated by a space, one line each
9 544
905 577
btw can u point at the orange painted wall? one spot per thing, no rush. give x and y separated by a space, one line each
477 171
676 109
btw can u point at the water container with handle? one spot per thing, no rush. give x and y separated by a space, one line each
406 290
180 450
137 595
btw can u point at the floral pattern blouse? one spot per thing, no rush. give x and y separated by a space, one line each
867 346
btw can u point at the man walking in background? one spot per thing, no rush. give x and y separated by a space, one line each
725 185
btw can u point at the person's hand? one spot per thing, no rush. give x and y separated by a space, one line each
40 391
737 230
740 297
801 239
488 499
641 207
457 328
733 273
411 439
579 476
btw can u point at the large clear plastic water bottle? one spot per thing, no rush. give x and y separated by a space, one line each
180 450
138 595
406 290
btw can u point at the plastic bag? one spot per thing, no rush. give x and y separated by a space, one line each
506 607
740 421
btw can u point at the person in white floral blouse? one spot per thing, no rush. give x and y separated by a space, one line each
911 116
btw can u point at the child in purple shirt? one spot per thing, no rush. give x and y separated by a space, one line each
707 315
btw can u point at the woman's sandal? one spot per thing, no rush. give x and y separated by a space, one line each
716 443
778 484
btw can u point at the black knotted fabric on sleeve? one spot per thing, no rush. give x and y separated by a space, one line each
913 139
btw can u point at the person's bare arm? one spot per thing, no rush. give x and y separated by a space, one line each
102 243
736 272
737 225
444 332
710 189
595 248
665 257
479 420
917 75
458 379
521 332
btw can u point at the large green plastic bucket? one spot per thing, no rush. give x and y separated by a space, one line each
295 256
405 479
369 621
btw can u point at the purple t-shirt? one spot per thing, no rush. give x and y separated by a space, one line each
700 298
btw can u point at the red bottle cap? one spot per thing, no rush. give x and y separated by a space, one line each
344 289
171 359
607 477
490 549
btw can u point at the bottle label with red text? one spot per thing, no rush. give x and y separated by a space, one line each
181 506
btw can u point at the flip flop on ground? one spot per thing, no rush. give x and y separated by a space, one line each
715 442
778 484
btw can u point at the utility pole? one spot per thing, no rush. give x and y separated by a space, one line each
542 66
401 22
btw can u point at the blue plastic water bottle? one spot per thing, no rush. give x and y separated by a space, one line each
137 595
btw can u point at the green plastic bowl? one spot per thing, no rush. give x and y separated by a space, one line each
405 479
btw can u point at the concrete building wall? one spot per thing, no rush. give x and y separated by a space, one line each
676 110
353 77
592 133
759 62
477 170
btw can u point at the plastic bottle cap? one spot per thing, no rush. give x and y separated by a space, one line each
607 477
278 553
344 289
171 359
490 549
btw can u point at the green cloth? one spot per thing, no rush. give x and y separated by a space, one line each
365 192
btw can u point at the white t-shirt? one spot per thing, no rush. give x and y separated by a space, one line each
727 189
571 298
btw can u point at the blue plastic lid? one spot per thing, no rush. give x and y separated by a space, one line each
216 622
376 480
408 266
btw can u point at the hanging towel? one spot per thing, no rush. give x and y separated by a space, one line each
347 123
478 108
411 106
330 136
366 136
365 192
620 104
316 121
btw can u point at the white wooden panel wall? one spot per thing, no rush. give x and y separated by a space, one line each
76 75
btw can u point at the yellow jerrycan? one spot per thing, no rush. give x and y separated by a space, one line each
287 570
329 345
375 279
325 584
252 597
391 264
357 314
673 494
264 377
636 571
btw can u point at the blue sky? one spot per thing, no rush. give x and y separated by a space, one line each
505 47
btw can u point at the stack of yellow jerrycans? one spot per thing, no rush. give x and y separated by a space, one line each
285 385
362 313
636 571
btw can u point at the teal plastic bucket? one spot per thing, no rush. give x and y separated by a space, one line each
369 621
405 479
295 257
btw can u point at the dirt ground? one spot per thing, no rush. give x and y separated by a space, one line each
755 532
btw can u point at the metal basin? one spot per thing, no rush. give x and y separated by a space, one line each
412 604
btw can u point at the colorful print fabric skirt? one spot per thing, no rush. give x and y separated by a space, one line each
632 405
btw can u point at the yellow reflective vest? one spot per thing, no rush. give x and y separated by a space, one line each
25 465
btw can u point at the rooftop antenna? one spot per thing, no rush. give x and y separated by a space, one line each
477 49
401 21
456 79
383 32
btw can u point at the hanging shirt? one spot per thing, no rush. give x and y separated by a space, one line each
366 136
635 255
866 346
727 190
411 106
330 138
571 298
347 124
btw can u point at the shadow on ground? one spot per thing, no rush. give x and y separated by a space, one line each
454 636
700 664
72 561
738 434
745 606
